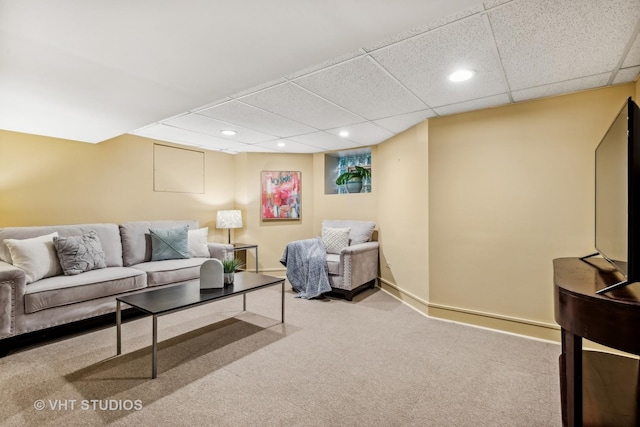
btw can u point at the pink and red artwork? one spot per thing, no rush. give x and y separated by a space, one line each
280 194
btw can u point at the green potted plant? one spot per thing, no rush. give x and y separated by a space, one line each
352 178
229 267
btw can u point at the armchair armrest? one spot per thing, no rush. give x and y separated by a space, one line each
219 250
360 248
13 283
359 264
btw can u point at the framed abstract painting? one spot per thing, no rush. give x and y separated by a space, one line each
280 194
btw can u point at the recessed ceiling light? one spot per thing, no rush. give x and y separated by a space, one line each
344 133
228 132
281 144
461 75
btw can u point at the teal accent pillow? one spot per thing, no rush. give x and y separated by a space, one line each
169 243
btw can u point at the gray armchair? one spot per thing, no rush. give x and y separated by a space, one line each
354 267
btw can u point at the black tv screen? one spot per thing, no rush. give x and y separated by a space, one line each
617 198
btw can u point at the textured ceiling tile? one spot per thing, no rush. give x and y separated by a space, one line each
363 87
627 75
430 26
476 104
209 126
494 3
633 57
574 85
246 148
403 122
291 101
545 41
325 140
326 64
244 115
423 63
290 147
364 133
258 88
185 137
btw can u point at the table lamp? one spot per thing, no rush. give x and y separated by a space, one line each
229 219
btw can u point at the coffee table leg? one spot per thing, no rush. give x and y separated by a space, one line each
154 355
118 326
244 302
282 302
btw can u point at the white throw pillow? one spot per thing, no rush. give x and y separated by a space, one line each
36 256
198 243
335 239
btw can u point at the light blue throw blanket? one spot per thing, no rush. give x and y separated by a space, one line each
306 267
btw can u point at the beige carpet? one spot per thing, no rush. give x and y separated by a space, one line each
370 362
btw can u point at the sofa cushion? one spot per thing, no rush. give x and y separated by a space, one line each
335 239
198 245
108 234
78 254
361 231
63 290
171 271
36 256
169 243
136 240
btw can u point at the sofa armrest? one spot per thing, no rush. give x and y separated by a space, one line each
13 283
359 264
220 250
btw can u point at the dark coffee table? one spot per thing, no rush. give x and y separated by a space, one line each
158 302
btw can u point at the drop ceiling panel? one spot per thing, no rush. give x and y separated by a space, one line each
547 41
181 136
363 87
633 57
329 63
241 114
255 148
561 87
297 104
627 75
429 26
325 141
424 62
290 147
476 104
364 133
403 122
209 126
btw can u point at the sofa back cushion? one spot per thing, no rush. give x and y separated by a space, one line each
361 231
136 240
107 233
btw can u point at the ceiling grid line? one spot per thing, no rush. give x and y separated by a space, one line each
496 52
623 57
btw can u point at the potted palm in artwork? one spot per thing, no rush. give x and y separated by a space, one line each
229 267
352 178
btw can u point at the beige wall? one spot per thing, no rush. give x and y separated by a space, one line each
53 181
271 235
471 208
361 206
511 188
403 215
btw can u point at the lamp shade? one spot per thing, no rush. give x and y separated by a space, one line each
229 219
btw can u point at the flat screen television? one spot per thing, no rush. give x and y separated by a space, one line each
617 195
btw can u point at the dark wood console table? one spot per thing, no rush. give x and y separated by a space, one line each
597 388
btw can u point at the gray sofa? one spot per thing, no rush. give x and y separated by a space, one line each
61 299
